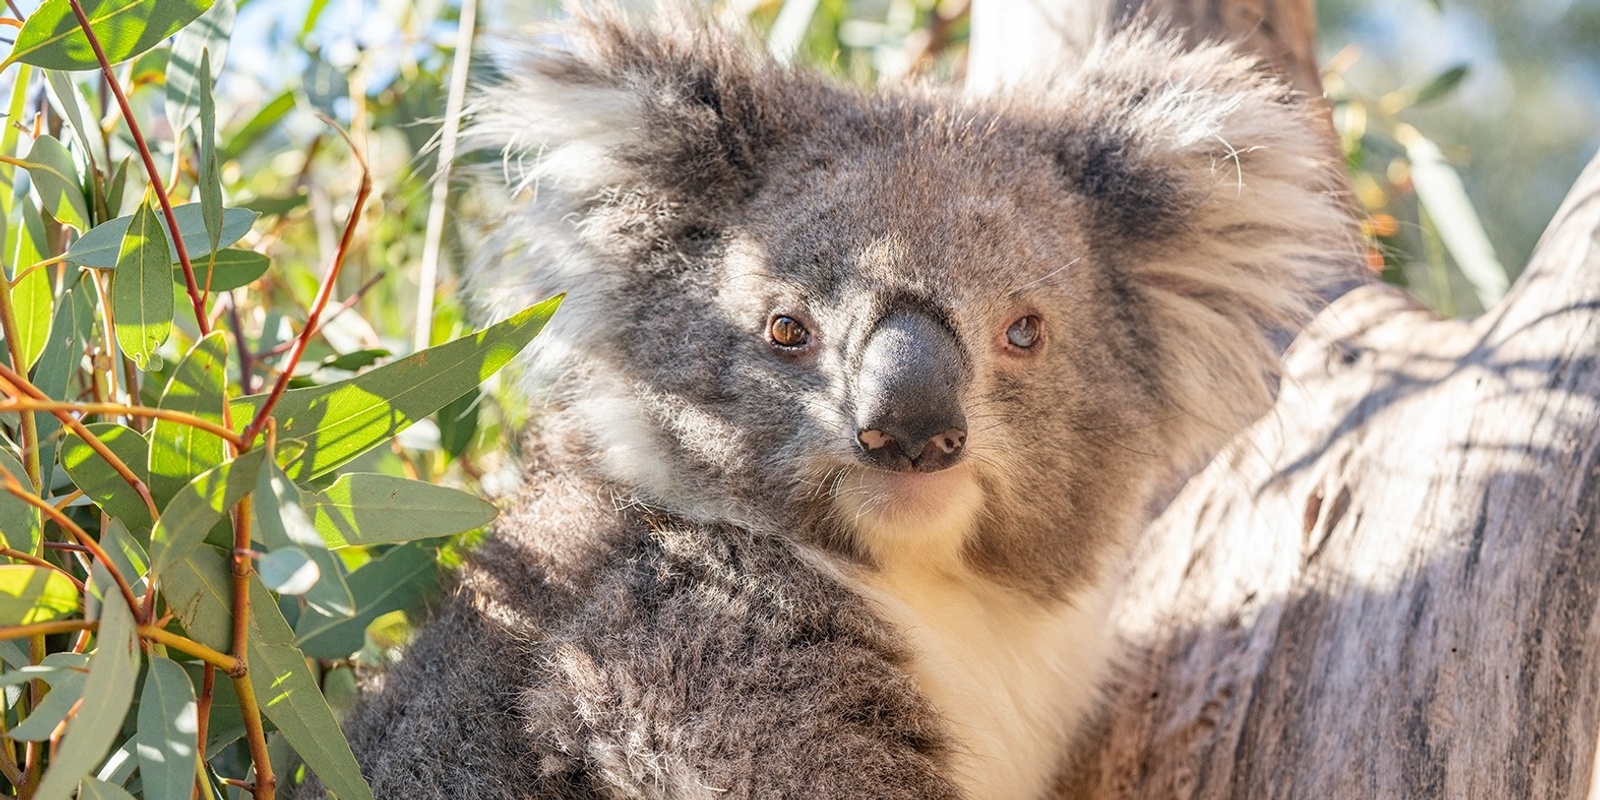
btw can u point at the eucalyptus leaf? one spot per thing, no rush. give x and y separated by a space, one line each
56 182
56 366
20 523
288 570
141 292
51 37
199 590
65 674
99 248
197 58
264 120
342 420
96 789
198 506
282 522
168 730
33 304
30 594
71 103
210 173
91 473
395 581
108 691
178 451
230 269
369 508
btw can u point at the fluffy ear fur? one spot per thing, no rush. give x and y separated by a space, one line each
618 140
1225 216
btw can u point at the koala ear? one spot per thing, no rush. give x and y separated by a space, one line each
671 110
1220 216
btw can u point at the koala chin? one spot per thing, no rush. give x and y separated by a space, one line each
856 404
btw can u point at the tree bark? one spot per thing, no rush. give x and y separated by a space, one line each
1387 587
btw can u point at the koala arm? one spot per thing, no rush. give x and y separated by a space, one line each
673 661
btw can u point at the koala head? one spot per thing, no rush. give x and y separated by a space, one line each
903 325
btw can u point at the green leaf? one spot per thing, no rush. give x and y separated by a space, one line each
108 692
77 113
30 594
52 39
96 789
57 364
189 70
179 452
99 248
19 522
1442 84
458 422
168 730
65 674
29 241
56 182
125 553
141 294
33 304
1444 198
368 508
282 522
210 170
288 570
230 269
199 505
342 420
199 591
396 581
100 482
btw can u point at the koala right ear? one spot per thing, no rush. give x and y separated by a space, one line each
670 114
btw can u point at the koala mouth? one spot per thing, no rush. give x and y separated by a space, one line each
924 515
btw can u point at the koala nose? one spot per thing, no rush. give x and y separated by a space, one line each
908 407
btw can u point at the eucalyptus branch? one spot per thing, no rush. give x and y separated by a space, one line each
19 386
47 628
265 784
150 169
15 489
223 661
324 292
167 414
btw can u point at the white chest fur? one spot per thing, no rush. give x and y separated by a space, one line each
1014 678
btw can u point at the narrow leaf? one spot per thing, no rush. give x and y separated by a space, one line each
179 452
282 522
396 581
1440 190
56 366
100 247
19 521
96 789
264 120
65 674
198 591
100 482
168 730
189 67
368 508
30 594
125 553
108 692
210 170
1442 84
33 303
141 291
52 39
198 506
230 269
56 182
342 420
70 101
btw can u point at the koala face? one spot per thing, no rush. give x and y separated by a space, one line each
906 326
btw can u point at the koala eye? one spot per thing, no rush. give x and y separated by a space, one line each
787 332
1024 333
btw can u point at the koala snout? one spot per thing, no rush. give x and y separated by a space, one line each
908 395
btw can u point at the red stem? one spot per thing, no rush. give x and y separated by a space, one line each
321 302
190 286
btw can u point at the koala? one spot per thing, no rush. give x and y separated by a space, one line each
856 404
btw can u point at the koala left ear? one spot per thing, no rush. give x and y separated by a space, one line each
1217 198
675 111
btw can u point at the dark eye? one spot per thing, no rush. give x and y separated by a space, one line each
1024 333
787 332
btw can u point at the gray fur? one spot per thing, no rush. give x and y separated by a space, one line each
675 606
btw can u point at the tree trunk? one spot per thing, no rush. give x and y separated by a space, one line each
1387 586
